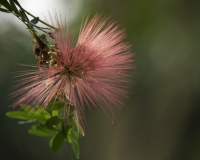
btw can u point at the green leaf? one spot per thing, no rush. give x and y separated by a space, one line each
67 129
62 113
57 141
22 14
54 113
65 112
35 20
14 7
54 106
42 131
0 5
51 141
53 121
6 4
5 10
38 113
28 109
43 112
76 125
19 115
72 136
75 148
81 131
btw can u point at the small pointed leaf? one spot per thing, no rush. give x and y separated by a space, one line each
72 136
75 148
35 20
42 131
53 121
57 141
76 125
19 115
64 112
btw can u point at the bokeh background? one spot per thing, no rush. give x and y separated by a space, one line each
161 119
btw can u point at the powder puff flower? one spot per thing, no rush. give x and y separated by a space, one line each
96 71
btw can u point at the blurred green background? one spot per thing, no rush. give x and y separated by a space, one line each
161 119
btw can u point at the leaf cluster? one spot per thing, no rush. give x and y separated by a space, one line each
52 122
14 7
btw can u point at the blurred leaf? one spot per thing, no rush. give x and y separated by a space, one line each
64 112
67 129
57 141
14 7
54 106
40 114
81 131
42 131
28 109
53 121
19 115
35 20
5 10
75 148
76 125
6 4
54 113
21 13
51 141
72 136
74 122
0 5
43 112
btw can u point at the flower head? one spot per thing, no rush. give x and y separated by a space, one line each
94 72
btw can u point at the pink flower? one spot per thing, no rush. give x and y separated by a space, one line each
95 72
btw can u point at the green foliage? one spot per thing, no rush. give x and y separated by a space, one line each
50 125
65 112
75 148
35 20
53 121
5 10
72 138
39 113
57 141
42 131
6 4
76 125
54 106
14 8
19 115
